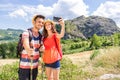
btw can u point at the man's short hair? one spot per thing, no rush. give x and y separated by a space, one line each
38 16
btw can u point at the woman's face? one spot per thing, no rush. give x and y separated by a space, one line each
48 26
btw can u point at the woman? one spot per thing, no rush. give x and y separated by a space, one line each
52 52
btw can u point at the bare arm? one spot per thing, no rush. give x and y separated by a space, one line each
62 32
27 46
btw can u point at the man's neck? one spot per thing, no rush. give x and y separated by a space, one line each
35 30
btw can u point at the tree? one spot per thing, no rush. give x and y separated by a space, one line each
115 39
3 50
8 50
95 42
12 50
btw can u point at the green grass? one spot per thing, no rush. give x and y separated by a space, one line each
95 53
9 72
108 61
69 71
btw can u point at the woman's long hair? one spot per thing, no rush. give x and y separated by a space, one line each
45 33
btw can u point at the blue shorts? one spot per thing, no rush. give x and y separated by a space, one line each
53 65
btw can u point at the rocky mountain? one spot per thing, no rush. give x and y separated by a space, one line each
80 27
85 27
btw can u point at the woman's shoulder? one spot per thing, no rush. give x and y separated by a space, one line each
56 35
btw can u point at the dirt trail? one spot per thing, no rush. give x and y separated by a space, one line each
79 58
76 58
7 61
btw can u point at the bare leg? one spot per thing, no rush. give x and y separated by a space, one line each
49 73
56 74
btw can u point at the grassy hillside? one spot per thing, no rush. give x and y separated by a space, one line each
7 35
108 61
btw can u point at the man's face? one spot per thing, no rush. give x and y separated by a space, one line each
38 23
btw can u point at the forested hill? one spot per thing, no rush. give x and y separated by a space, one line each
9 34
87 26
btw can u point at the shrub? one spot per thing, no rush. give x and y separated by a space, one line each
95 53
9 72
109 58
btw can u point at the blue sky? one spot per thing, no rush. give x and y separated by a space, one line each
17 14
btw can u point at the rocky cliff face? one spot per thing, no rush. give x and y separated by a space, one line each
85 27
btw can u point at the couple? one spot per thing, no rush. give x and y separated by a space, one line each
51 56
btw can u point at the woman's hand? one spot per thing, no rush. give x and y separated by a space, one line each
62 32
61 22
42 48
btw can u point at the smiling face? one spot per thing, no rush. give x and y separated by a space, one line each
38 23
48 26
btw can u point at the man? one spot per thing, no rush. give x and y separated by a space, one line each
28 67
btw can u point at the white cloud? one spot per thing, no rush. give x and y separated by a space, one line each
70 8
19 12
40 9
47 11
109 9
27 12
64 8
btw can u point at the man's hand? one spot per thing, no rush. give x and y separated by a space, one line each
30 53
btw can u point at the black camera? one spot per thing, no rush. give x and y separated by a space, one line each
56 19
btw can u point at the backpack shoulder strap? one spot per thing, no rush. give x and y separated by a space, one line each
30 34
56 42
41 38
57 46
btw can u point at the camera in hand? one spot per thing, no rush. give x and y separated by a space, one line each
57 25
56 19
